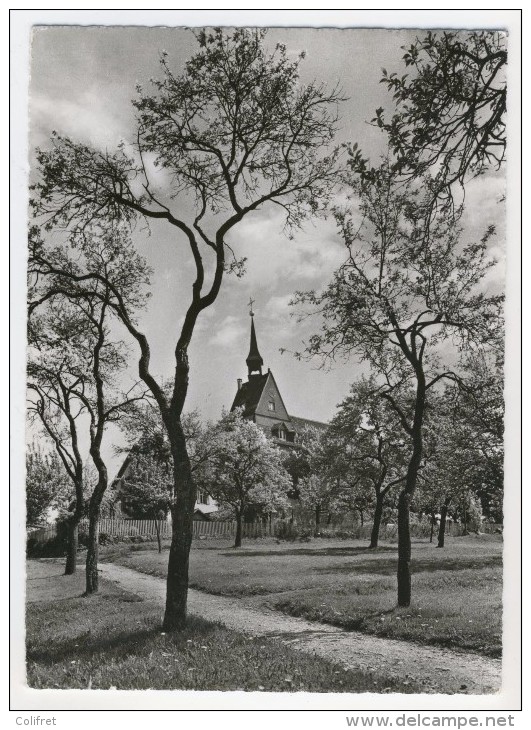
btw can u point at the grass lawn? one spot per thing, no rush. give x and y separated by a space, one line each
113 640
457 591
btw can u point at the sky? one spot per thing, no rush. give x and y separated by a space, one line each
82 83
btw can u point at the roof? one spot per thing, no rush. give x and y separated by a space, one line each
301 423
254 359
249 394
206 509
122 472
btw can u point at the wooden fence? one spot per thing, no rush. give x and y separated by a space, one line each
227 528
148 528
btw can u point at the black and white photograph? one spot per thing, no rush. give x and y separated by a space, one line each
265 329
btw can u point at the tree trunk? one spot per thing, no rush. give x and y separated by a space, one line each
178 565
432 525
91 567
404 501
72 525
404 550
92 550
361 516
71 547
375 533
182 511
157 528
442 526
317 520
238 538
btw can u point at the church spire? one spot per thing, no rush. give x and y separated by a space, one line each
254 359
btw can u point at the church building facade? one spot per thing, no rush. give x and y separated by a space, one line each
262 402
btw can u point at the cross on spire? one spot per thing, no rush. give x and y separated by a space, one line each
251 302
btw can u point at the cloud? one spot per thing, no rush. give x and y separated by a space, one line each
277 305
85 117
306 261
484 205
230 331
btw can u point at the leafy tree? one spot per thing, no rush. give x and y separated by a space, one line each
450 107
450 463
464 439
318 483
295 462
244 468
481 406
147 485
146 434
352 496
147 488
371 445
93 361
398 298
47 484
234 132
316 493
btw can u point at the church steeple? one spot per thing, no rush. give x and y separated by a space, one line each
254 359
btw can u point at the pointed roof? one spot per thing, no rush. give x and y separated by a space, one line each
254 359
248 396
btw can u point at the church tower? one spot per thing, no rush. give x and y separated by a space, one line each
254 359
262 402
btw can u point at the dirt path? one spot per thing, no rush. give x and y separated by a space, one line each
441 670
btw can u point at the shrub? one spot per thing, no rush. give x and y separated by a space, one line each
55 547
286 530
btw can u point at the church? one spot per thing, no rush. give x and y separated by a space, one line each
262 402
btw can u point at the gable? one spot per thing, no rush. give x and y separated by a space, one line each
270 403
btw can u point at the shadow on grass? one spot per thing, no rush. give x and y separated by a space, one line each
87 645
387 566
317 552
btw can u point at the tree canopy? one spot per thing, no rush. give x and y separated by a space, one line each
234 131
450 106
409 301
47 484
448 124
370 447
243 469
